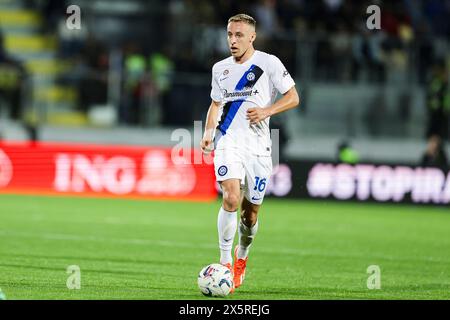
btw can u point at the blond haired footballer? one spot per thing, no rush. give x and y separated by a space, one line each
244 88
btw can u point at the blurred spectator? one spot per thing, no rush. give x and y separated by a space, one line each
134 71
341 46
266 19
435 155
425 51
53 11
12 80
181 23
162 69
93 85
437 12
368 55
333 5
323 59
331 12
438 101
288 11
71 42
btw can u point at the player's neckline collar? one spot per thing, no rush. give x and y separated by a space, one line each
246 62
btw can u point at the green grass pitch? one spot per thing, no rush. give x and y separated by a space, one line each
154 250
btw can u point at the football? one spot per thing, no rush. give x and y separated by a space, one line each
215 280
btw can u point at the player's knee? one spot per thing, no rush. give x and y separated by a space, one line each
230 201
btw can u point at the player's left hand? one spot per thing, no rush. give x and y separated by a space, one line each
256 115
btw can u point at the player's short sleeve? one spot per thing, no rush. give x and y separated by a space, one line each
279 75
216 93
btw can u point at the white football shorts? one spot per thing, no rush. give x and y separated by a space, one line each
253 171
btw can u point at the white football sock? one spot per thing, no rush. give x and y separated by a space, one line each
246 237
226 226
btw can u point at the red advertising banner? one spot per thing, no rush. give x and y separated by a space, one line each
100 170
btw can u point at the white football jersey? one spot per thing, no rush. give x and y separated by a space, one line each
242 86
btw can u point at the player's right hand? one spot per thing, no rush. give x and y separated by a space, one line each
207 145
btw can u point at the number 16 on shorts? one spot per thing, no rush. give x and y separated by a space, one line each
260 184
258 190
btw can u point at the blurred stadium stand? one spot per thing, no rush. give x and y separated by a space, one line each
138 69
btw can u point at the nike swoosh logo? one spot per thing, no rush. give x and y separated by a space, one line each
223 78
227 240
256 199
